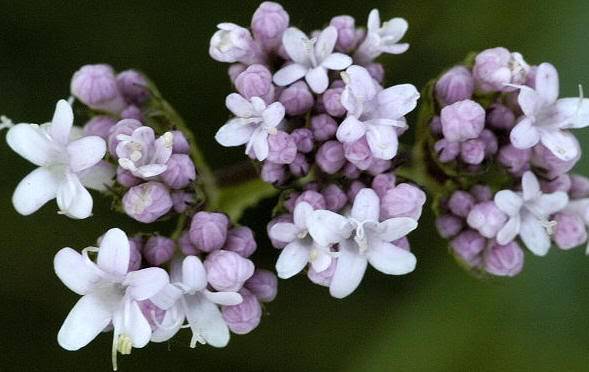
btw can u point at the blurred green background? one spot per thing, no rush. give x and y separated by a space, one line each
437 319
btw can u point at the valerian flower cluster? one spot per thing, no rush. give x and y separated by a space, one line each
495 148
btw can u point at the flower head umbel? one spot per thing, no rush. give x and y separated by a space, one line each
110 295
382 38
144 155
254 123
65 165
311 58
529 213
546 118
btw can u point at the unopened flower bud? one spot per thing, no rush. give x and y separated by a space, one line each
549 164
180 172
376 71
133 86
269 22
570 230
208 230
263 284
282 148
186 246
481 193
490 141
468 247
158 250
234 70
359 153
515 160
383 183
232 43
449 225
461 203
335 197
245 317
135 247
332 102
322 278
346 32
487 219
273 173
472 151
462 121
297 99
96 87
379 166
455 85
181 145
500 117
147 202
354 189
182 200
447 151
304 139
496 67
300 166
436 125
126 179
579 187
404 200
504 260
132 112
241 241
100 126
256 81
560 183
330 157
314 198
324 127
351 171
227 271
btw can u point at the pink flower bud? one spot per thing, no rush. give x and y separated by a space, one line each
245 317
297 99
208 230
234 70
186 246
549 164
468 247
481 193
133 86
322 278
100 126
330 157
315 199
282 148
383 183
227 271
462 121
346 33
570 231
263 284
273 173
147 202
461 203
181 145
504 260
126 179
96 87
516 161
335 197
158 250
268 24
241 241
487 219
560 183
379 166
449 225
455 85
304 139
323 126
404 200
182 200
135 247
472 151
132 112
490 141
300 166
332 102
359 153
180 172
256 81
500 117
354 189
579 187
376 71
436 125
496 67
447 151
351 172
403 243
232 43
126 127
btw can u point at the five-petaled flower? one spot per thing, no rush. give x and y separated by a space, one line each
382 38
144 155
66 165
529 212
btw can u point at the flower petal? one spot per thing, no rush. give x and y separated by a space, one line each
524 135
529 101
206 320
509 231
295 43
561 143
100 177
170 325
167 297
530 186
224 298
77 272
145 283
32 143
235 133
549 204
90 316
239 106
325 43
62 122
395 29
373 21
301 215
383 141
547 83
259 143
350 130
113 254
289 74
36 189
534 235
396 101
572 112
273 115
85 152
508 202
395 48
390 259
320 260
194 275
284 232
317 79
129 320
326 227
337 61
349 270
395 228
292 259
73 199
366 206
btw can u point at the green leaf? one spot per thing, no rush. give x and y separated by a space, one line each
234 200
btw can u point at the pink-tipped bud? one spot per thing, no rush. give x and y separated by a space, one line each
180 172
297 99
282 148
208 230
335 197
158 250
256 81
487 219
324 127
462 121
304 139
330 157
245 317
227 271
468 247
100 126
269 22
404 200
133 86
241 241
461 203
263 284
147 202
570 231
504 260
449 225
96 87
455 85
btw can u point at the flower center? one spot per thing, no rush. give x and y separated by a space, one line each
310 50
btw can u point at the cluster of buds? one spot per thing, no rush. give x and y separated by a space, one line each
313 103
498 116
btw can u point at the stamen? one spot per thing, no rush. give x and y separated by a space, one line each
549 226
309 46
71 100
196 338
5 123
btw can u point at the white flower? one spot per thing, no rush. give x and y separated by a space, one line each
143 155
547 118
65 165
371 242
382 39
312 58
254 122
301 248
374 112
529 212
188 298
580 207
109 295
